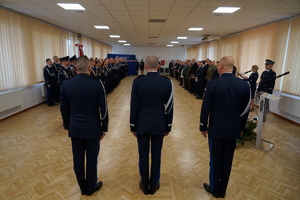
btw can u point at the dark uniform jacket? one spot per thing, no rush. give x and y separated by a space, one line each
83 107
193 69
226 104
201 73
65 73
94 73
151 108
49 75
265 84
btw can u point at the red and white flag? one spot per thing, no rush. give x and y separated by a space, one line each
79 49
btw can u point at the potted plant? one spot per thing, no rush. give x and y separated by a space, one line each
248 134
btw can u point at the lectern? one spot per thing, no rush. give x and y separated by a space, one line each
262 117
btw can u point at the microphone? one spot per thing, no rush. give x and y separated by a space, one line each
247 72
285 73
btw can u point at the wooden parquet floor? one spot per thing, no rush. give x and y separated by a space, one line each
36 157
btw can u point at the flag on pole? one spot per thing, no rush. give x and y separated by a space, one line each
79 48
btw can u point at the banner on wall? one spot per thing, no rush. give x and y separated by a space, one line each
79 49
131 60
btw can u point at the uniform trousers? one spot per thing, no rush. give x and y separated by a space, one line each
221 156
56 92
50 95
143 149
86 177
200 88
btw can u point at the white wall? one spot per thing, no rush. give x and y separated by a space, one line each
165 53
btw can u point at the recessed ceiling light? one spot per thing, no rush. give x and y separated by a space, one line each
114 36
226 9
101 27
174 42
170 45
71 6
121 40
182 38
126 44
195 29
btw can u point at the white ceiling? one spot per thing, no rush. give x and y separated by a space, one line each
130 18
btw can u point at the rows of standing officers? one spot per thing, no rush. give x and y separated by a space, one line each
193 76
109 71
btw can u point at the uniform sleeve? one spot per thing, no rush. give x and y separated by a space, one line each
245 105
61 77
271 83
169 106
103 109
134 106
64 108
46 76
206 105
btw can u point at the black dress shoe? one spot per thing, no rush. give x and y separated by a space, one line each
207 188
83 192
156 188
98 186
50 105
145 190
55 104
222 195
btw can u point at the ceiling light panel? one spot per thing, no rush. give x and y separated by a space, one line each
174 42
126 44
121 40
71 6
114 36
101 27
195 29
182 38
226 9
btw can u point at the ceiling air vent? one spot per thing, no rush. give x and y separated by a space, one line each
153 37
157 20
218 14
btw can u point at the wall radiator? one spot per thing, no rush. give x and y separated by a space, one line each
289 105
10 99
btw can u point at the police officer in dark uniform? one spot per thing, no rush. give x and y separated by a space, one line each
94 70
73 60
252 81
191 80
223 118
151 115
266 84
137 65
65 72
56 66
267 79
50 81
201 79
85 116
142 66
